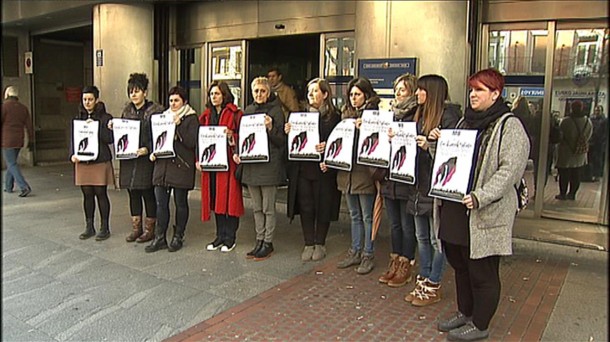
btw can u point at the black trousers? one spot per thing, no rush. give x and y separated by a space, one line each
226 228
314 229
477 283
571 177
162 194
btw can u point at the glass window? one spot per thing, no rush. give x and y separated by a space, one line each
339 56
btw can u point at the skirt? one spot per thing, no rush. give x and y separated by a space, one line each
94 174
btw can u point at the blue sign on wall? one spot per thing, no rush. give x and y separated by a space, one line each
383 71
532 92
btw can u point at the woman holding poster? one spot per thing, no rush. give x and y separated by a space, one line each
262 178
477 231
433 112
357 184
312 187
220 191
175 174
94 176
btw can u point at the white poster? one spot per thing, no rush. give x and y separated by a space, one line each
126 138
453 164
404 152
373 141
86 139
339 147
303 136
163 131
213 148
253 139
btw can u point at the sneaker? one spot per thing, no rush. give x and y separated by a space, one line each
25 192
214 245
319 252
455 321
561 197
419 281
467 332
307 253
227 248
366 264
429 294
352 258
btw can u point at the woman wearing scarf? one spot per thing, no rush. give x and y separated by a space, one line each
476 232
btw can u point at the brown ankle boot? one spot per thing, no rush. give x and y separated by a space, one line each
149 230
136 229
391 272
403 273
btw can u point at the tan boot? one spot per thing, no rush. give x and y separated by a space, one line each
429 293
403 273
136 229
419 282
389 274
149 230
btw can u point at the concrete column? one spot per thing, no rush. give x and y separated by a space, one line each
432 31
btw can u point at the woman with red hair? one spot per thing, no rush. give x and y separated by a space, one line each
476 232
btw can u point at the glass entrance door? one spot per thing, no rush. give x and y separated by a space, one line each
227 63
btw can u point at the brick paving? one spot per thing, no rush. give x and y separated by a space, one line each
329 304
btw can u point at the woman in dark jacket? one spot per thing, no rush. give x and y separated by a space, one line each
220 191
433 112
135 175
262 179
94 176
357 184
175 174
312 188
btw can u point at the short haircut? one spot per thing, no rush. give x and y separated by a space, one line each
137 81
227 96
178 90
491 78
409 80
261 80
276 69
577 108
92 90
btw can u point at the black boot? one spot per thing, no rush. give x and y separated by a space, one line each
159 242
177 240
250 254
89 230
264 252
104 232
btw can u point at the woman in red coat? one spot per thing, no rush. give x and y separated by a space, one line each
221 191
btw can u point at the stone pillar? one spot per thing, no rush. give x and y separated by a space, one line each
434 32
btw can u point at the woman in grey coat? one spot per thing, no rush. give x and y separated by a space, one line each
477 231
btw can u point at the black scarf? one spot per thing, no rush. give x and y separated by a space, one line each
481 120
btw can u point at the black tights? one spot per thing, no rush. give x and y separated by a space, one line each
314 229
90 192
135 202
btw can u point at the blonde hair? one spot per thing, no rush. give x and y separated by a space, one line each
410 82
261 80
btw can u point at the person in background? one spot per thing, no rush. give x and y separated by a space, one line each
135 175
395 196
478 231
94 176
15 120
263 179
287 95
175 174
312 187
357 185
598 144
221 192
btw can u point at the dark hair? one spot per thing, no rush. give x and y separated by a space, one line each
276 69
330 108
365 87
91 90
137 81
431 111
227 96
491 78
577 109
177 90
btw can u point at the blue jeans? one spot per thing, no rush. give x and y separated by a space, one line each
402 228
431 258
361 212
13 172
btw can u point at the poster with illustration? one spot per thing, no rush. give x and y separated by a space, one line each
163 130
253 139
453 164
373 141
126 138
86 142
404 152
212 145
303 136
340 144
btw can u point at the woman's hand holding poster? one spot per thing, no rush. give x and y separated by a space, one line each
126 138
213 148
303 136
163 130
86 142
253 141
373 141
339 146
404 152
453 164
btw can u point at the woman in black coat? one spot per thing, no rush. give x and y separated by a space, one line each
312 188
